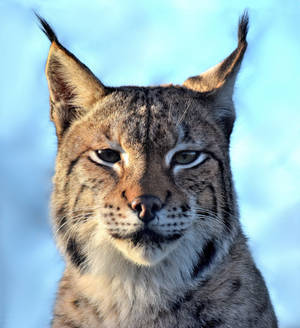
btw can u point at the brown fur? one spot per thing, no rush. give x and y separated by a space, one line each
192 267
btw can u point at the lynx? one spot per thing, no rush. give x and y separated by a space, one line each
143 205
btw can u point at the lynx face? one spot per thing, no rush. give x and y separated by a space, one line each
141 171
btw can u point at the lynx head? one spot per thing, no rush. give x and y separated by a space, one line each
141 171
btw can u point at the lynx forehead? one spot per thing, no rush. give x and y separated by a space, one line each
143 206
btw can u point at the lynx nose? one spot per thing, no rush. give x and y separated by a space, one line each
146 206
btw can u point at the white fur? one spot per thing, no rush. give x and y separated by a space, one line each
118 284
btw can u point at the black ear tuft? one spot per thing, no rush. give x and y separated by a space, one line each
243 27
47 29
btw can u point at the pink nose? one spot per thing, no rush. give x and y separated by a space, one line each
146 206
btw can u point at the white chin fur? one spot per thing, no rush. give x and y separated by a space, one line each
143 255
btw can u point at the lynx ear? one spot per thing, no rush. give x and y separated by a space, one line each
219 80
73 87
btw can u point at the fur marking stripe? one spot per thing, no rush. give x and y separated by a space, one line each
73 250
205 258
61 219
82 188
215 204
226 211
72 164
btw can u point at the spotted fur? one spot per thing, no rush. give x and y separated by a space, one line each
188 265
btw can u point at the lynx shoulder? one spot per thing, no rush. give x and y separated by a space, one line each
143 205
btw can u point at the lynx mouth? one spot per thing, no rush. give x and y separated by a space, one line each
147 236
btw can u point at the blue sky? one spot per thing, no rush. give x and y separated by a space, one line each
144 43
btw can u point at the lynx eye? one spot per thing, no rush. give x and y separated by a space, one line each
185 157
108 155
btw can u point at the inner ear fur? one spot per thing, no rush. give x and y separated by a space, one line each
73 88
218 82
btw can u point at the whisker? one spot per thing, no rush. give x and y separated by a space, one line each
213 214
73 219
183 115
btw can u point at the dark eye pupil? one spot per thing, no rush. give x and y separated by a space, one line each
109 155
